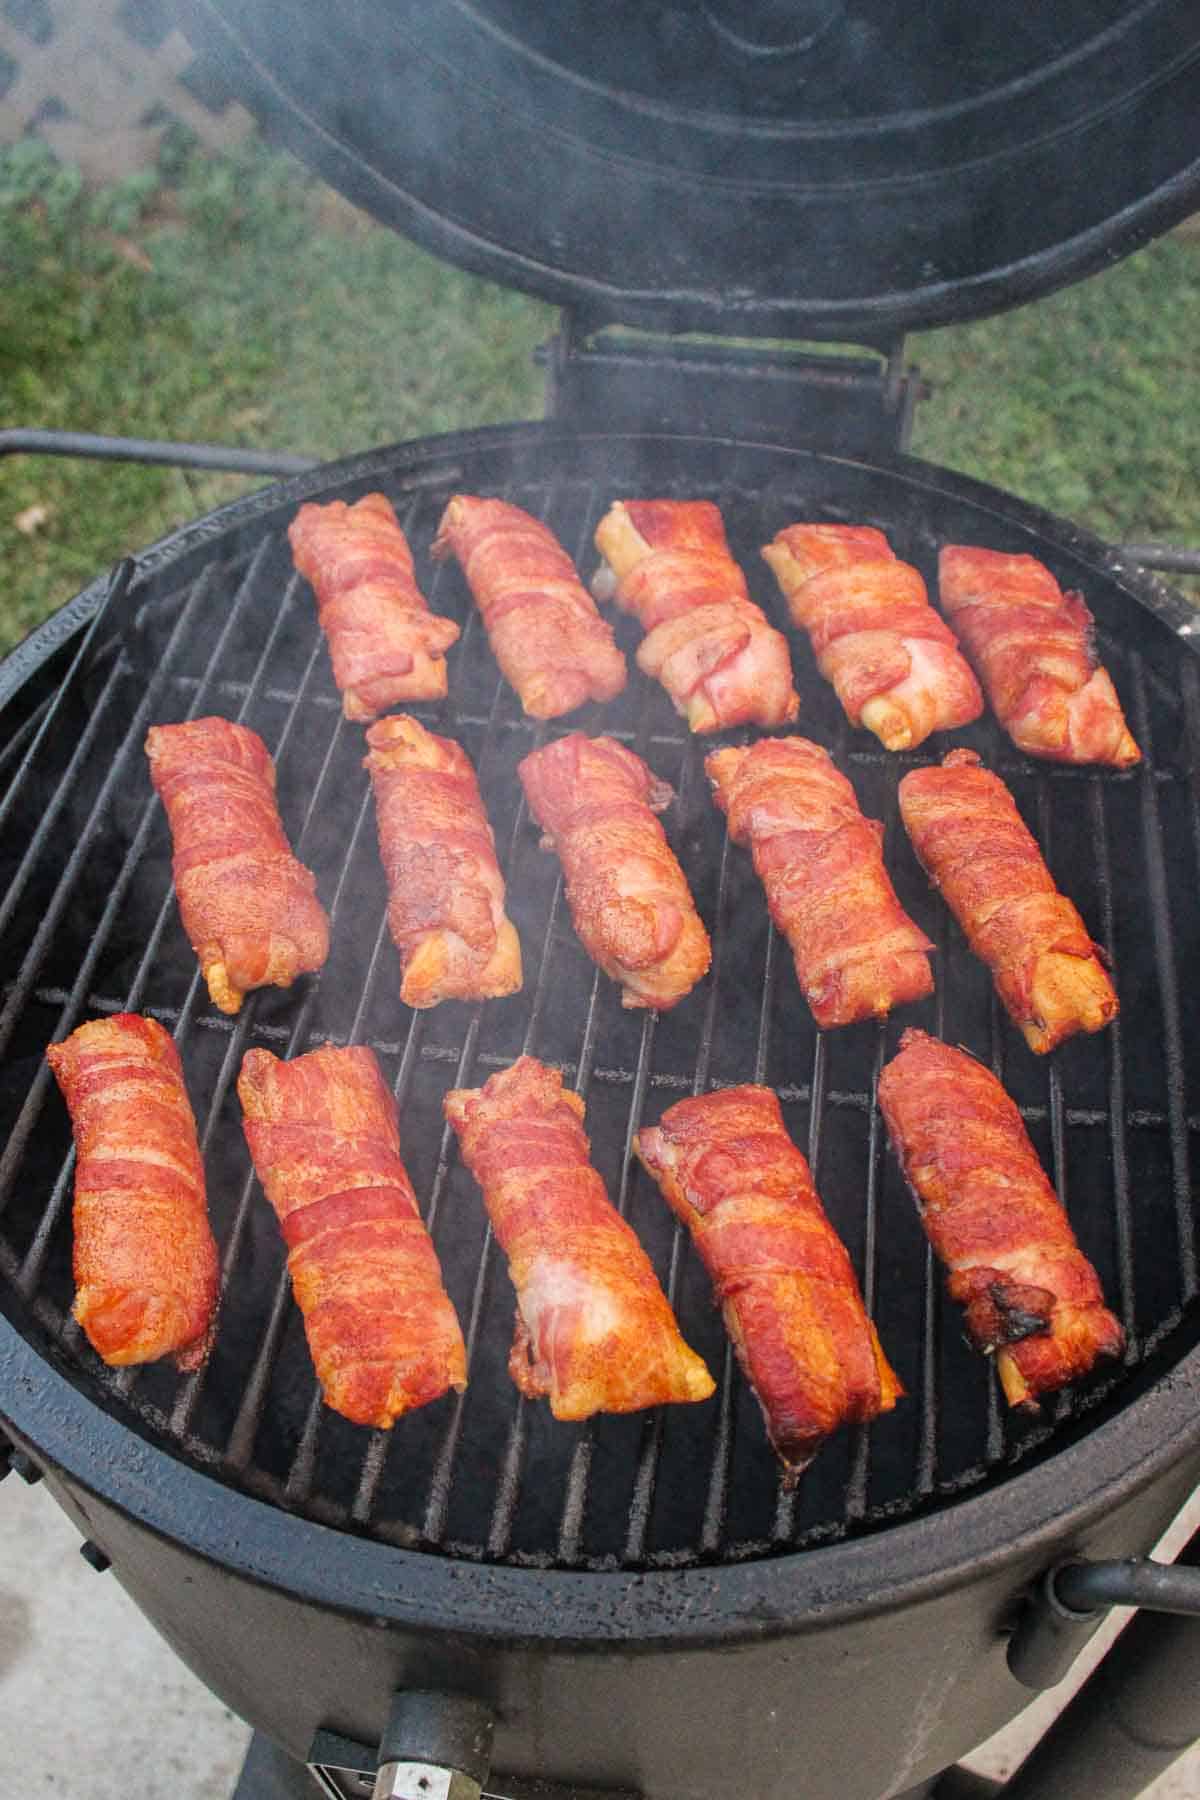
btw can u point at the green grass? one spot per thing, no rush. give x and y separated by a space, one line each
1087 402
224 304
233 299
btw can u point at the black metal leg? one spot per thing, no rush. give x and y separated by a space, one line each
953 1784
267 1774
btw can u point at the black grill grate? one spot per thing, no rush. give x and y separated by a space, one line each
90 926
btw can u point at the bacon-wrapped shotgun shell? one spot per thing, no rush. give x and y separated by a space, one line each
713 650
977 849
594 1330
382 1332
629 899
385 644
249 908
1034 648
857 952
551 643
145 1260
893 662
1032 1298
446 893
791 1304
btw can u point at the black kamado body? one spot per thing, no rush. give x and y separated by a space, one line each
632 1605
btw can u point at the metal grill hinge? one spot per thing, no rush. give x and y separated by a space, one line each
613 379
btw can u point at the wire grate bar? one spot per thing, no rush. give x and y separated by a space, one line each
118 586
1115 1118
75 1000
927 1445
239 1030
716 1503
997 1410
578 1474
22 737
438 1497
1168 982
241 1027
652 1434
245 1026
508 1486
860 1465
250 1412
19 991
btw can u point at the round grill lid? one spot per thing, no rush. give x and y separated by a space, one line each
784 167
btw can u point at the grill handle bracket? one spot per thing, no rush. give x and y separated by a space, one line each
624 381
434 1747
1072 1598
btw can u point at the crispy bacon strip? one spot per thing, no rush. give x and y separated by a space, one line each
551 643
382 1332
249 908
446 893
721 662
1034 648
628 896
384 642
976 848
144 1257
893 662
727 1167
594 1330
1030 1294
857 952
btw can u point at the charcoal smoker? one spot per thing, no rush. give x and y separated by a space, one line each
636 1605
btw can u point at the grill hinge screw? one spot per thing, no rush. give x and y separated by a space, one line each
93 1554
424 1781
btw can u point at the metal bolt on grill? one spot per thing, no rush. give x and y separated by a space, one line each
90 925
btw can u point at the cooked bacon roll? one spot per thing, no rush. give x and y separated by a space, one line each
594 1330
628 896
551 643
384 642
1034 648
720 660
249 908
446 893
976 848
857 952
382 1333
144 1257
893 662
1030 1294
789 1297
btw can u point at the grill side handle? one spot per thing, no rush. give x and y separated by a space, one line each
1063 1611
1140 1708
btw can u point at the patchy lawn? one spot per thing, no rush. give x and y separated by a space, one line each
234 299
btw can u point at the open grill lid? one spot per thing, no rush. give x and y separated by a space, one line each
799 169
